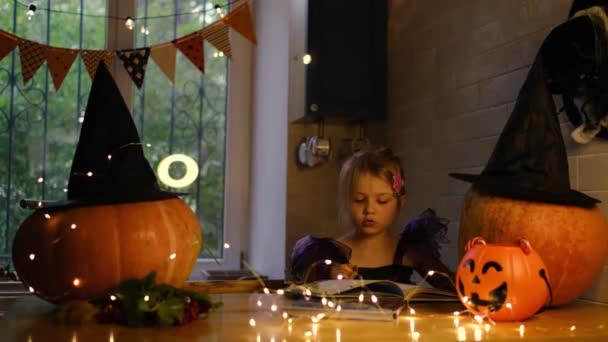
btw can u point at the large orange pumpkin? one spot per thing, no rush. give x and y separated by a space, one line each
571 240
81 252
504 282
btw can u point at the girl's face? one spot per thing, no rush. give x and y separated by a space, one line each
373 207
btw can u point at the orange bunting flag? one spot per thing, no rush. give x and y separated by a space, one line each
59 61
164 56
135 63
217 35
8 43
192 47
91 59
32 55
240 20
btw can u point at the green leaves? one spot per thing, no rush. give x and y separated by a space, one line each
140 302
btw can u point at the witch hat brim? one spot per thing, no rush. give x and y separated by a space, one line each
109 166
529 161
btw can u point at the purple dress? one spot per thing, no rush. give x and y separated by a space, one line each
419 241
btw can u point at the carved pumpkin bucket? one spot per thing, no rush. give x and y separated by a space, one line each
503 282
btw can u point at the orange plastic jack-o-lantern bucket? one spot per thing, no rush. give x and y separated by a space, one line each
503 282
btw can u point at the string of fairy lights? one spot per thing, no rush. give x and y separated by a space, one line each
130 22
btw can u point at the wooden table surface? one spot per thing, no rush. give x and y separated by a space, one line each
27 319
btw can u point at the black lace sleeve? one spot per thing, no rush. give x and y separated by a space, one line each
425 231
309 251
420 241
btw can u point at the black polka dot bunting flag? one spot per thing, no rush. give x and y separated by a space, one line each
135 62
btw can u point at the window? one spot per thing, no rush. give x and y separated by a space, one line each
39 127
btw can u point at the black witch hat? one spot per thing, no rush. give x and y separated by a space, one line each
109 165
529 161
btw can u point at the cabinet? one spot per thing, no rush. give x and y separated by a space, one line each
346 79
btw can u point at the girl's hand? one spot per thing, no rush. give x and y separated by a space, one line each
347 271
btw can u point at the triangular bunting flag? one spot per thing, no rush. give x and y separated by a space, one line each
164 56
192 47
217 35
135 63
8 42
91 59
240 20
59 62
32 55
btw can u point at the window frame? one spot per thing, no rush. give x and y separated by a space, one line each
238 137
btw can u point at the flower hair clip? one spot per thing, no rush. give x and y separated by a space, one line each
398 188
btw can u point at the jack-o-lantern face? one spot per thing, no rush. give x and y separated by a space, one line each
504 282
495 297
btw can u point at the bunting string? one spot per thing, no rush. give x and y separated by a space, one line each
32 54
192 12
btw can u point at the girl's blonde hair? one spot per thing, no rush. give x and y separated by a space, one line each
378 161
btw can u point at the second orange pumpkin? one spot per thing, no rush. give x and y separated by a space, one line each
570 240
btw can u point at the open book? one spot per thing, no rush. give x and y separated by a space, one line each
360 299
352 288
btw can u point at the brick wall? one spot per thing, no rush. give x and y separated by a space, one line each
455 69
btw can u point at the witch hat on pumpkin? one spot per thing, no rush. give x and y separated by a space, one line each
529 161
109 165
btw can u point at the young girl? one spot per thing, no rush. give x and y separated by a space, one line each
371 193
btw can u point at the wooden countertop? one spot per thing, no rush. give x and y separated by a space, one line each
27 319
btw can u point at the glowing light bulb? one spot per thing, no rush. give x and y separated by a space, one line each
47 216
361 298
509 306
259 303
430 273
40 180
31 10
327 262
252 322
89 174
273 307
172 256
109 157
31 289
112 297
76 282
73 226
340 277
226 245
266 290
146 298
129 23
280 292
32 256
285 315
412 311
374 299
306 59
